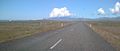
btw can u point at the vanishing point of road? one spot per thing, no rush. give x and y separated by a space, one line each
77 37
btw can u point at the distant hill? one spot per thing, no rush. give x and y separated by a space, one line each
108 19
63 18
68 19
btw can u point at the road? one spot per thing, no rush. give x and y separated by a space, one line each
77 37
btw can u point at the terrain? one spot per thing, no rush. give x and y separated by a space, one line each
109 30
10 30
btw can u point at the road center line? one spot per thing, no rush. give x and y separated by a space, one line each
56 43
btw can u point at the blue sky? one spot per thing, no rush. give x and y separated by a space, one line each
39 9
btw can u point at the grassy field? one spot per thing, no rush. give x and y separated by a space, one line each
109 30
18 29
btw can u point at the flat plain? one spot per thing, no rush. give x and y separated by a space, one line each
10 30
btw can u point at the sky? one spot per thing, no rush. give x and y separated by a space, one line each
41 9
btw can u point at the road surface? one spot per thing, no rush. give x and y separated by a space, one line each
77 37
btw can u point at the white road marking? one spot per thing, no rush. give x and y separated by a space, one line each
56 44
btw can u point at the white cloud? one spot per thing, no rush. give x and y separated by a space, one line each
116 8
60 12
101 11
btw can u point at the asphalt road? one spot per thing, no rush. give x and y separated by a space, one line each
77 37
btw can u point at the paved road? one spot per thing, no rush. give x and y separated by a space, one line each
77 37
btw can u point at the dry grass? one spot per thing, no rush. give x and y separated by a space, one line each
18 29
109 30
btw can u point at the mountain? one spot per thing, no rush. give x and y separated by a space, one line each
68 19
63 18
108 19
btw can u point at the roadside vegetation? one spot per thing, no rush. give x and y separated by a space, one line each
10 30
109 30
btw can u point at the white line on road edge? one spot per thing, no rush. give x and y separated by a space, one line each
56 44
